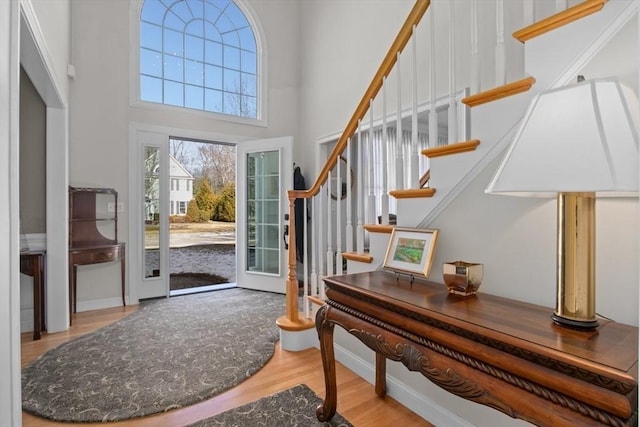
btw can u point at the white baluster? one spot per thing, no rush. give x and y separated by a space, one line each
475 51
414 169
329 228
384 197
527 13
339 216
321 198
399 149
305 259
371 200
433 114
452 131
349 224
360 201
501 67
314 249
561 5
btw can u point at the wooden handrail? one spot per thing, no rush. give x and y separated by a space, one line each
385 68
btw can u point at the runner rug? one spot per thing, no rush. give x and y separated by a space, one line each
168 354
293 407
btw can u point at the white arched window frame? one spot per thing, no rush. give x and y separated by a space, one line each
190 81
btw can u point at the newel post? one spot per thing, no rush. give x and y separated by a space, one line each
292 280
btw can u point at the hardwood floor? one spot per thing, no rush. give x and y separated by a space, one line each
357 400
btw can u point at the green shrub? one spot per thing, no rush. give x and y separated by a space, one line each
193 212
225 208
205 197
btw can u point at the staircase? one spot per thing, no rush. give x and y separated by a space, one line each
416 155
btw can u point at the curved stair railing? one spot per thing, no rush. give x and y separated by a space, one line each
391 152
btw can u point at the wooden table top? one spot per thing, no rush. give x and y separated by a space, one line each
611 350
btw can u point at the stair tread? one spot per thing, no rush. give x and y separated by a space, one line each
379 228
353 256
458 147
499 92
413 193
559 19
315 299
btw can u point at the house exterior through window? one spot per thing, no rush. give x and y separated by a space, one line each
180 195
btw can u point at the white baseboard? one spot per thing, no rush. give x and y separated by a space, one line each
415 401
99 304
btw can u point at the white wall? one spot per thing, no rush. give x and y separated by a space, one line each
101 111
343 43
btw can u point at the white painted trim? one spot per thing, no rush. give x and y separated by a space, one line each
36 59
57 295
415 401
10 386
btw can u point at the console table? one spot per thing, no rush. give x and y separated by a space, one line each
32 263
506 354
93 234
94 254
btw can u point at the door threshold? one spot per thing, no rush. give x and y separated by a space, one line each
200 289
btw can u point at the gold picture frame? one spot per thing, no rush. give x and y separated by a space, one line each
411 251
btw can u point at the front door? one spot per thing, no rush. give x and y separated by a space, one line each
264 173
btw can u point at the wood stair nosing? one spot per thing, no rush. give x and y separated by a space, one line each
413 193
559 19
379 228
353 256
315 299
499 92
458 147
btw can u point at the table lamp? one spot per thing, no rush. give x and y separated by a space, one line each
575 143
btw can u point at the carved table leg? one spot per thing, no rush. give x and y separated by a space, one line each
327 409
381 374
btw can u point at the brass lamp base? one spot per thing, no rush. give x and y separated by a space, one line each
576 292
584 325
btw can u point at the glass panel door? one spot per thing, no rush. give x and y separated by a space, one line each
152 212
264 174
263 211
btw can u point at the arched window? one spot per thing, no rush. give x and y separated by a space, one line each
198 54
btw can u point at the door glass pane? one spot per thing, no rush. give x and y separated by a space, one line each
263 212
151 211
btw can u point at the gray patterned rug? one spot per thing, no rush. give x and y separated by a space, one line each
295 407
168 354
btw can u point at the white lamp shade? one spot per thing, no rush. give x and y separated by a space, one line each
577 138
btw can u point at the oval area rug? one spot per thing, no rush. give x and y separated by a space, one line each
168 354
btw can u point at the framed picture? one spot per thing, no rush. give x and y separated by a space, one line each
411 251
